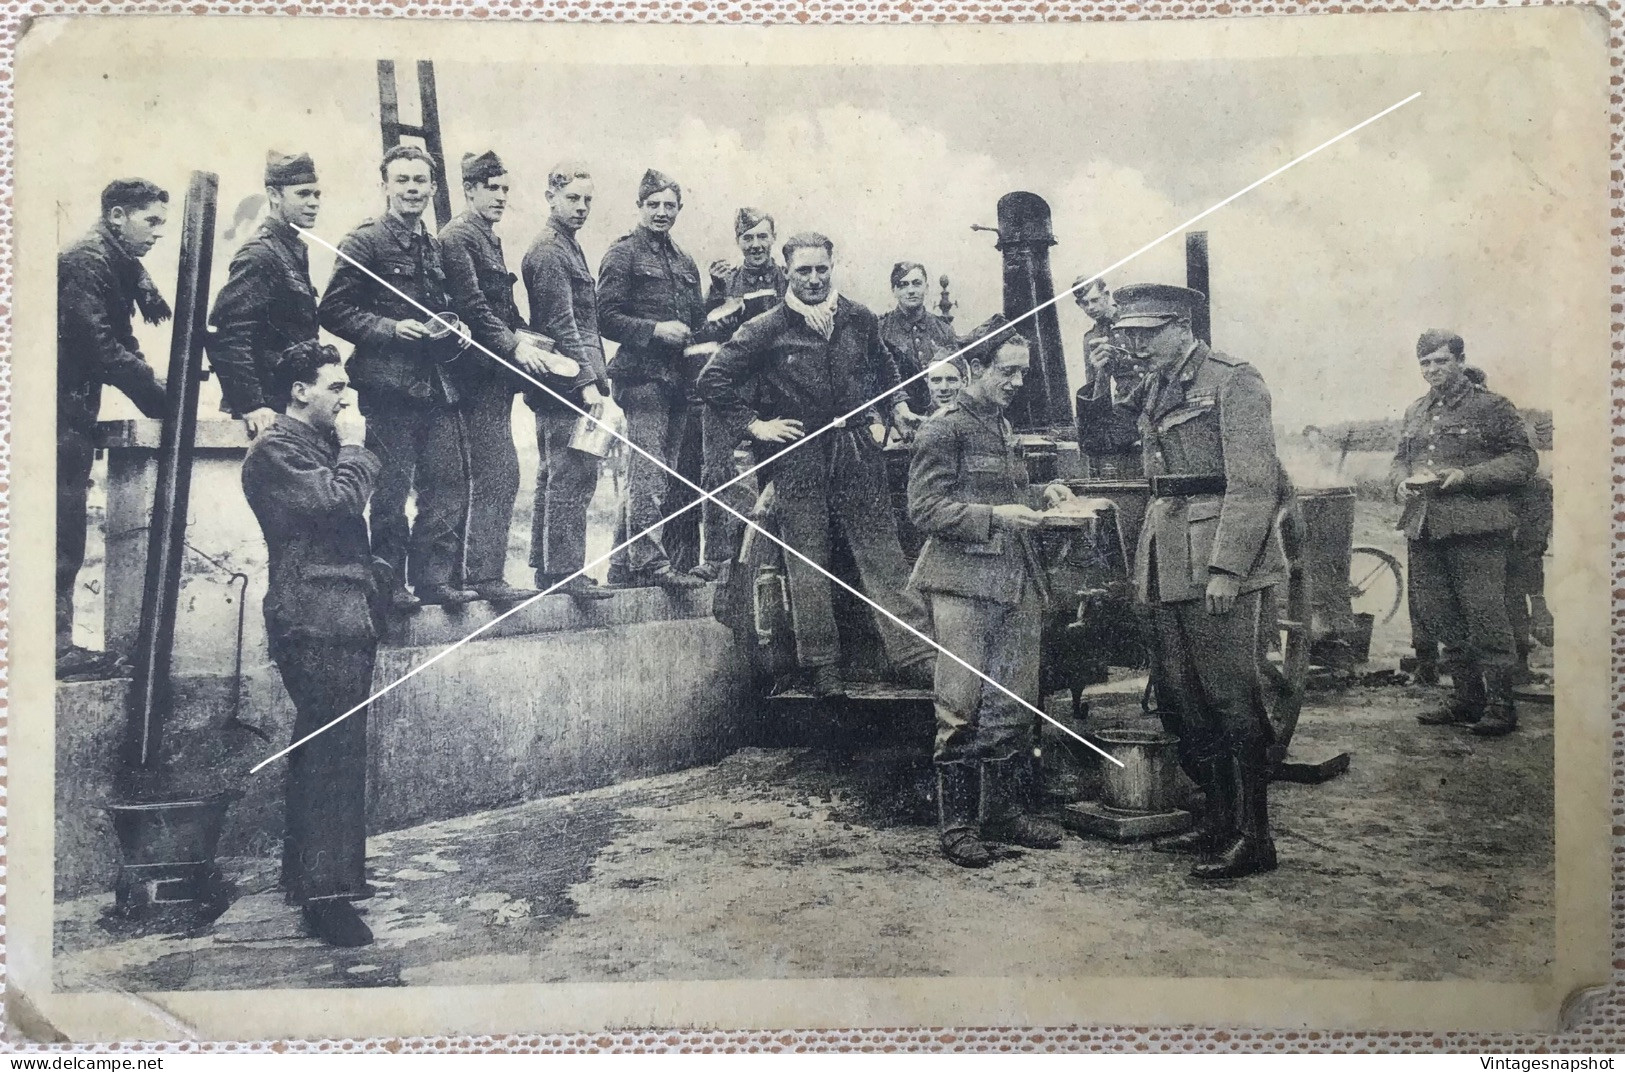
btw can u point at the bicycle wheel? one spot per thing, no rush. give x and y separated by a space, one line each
1376 583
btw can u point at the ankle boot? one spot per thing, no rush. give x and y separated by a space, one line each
1466 704
958 801
1214 822
1250 850
1500 715
1008 796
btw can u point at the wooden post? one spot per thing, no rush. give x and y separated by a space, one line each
1196 278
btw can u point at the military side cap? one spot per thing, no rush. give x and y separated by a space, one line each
655 181
284 170
746 218
482 167
1150 305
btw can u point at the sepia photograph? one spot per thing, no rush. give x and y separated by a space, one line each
565 527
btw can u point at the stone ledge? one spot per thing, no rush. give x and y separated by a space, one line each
439 626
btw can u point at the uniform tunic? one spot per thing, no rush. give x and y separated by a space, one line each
97 286
413 424
267 305
1458 539
979 580
310 496
776 366
1109 436
914 341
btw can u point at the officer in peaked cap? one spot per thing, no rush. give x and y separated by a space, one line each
1206 560
268 303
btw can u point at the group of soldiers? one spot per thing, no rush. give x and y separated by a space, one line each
772 361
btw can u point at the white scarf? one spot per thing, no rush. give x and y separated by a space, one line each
820 317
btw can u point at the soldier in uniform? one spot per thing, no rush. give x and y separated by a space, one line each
308 478
388 272
1463 452
482 296
649 302
564 307
793 370
1206 557
268 302
968 493
917 337
759 277
99 284
1108 434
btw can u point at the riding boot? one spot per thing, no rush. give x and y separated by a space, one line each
1008 792
1213 822
1500 716
1466 704
958 804
1250 849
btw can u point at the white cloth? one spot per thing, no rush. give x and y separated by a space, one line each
820 317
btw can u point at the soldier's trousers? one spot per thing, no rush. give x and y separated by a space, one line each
1459 585
832 480
976 722
656 416
1209 692
324 855
74 455
722 529
422 449
565 481
493 479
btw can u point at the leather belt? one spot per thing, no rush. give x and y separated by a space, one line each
1178 485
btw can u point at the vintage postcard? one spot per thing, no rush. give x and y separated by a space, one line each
574 527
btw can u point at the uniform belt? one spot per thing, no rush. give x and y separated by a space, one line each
1176 485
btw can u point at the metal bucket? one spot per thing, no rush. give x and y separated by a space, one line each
1148 780
166 852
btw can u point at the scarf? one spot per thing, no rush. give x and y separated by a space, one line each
820 317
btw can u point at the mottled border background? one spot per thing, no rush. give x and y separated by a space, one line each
1596 1023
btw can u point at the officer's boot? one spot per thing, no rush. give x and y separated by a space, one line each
1500 716
958 803
1008 789
1213 822
1466 704
1251 848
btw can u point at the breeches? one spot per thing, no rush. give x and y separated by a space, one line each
1210 694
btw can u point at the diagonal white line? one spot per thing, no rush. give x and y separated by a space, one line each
837 423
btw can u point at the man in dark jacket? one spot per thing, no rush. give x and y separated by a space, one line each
482 296
1108 435
968 493
1206 557
308 478
564 307
388 272
99 285
1462 452
791 371
268 303
649 302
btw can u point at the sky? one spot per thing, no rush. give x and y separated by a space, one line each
1435 216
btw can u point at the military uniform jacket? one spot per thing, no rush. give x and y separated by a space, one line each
739 281
914 343
564 307
965 463
481 290
97 281
1478 432
796 372
363 311
1104 427
1211 418
267 305
310 496
645 279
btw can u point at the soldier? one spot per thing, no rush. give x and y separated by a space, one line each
794 369
405 392
1205 559
945 381
268 302
649 302
742 290
1462 452
968 492
308 478
99 284
916 337
482 296
564 307
1108 433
